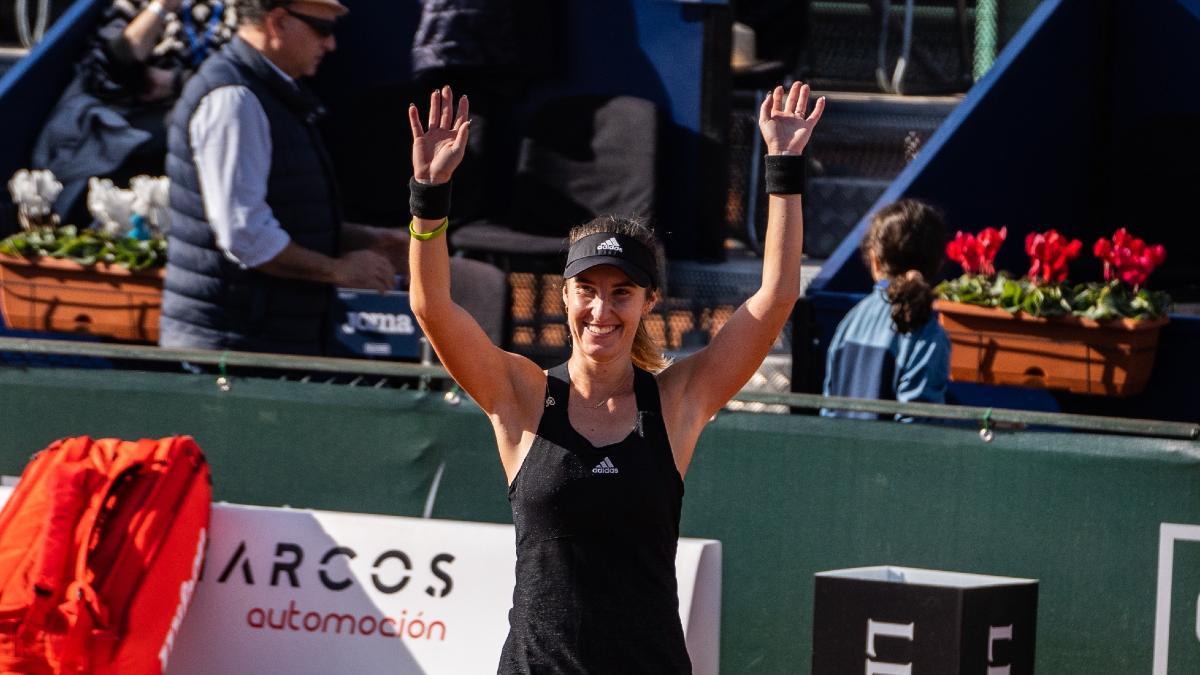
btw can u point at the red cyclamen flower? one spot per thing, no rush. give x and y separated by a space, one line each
1128 258
1050 252
977 253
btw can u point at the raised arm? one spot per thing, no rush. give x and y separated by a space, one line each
146 29
696 387
489 374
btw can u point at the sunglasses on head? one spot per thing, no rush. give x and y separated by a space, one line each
322 27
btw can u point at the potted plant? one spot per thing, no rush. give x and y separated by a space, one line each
1040 331
105 280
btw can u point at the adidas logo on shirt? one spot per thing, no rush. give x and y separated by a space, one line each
611 245
605 466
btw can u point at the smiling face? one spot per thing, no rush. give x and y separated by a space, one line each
604 309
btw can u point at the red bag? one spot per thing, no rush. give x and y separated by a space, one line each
101 544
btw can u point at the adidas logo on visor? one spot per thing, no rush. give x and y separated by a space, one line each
605 466
611 245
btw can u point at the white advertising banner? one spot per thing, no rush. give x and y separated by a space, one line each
297 591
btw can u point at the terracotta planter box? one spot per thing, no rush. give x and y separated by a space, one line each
48 294
992 346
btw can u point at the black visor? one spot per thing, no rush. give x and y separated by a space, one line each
627 254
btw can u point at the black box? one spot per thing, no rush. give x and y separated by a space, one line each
904 621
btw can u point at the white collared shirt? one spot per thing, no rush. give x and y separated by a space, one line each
231 147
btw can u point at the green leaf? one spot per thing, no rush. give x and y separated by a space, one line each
86 247
1032 302
1093 300
1010 295
14 246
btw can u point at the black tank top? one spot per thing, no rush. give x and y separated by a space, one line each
596 535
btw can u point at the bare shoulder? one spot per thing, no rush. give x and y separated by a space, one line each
523 409
515 418
529 384
672 392
680 417
673 382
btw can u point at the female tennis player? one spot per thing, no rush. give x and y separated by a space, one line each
595 450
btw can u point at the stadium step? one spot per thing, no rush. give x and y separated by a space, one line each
865 141
848 49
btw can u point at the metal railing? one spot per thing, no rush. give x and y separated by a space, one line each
987 418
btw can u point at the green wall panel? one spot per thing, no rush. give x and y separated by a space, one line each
788 496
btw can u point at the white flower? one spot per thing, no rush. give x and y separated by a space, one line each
111 206
34 193
151 198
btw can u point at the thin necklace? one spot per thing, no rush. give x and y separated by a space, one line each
614 392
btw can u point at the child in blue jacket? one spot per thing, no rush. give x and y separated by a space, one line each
890 345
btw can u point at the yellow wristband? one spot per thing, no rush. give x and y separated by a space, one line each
426 236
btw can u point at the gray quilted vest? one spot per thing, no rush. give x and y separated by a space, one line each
216 302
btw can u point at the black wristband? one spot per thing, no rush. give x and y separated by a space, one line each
431 202
785 174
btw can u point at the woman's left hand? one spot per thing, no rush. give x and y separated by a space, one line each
438 150
784 127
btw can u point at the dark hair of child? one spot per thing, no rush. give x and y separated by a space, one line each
906 239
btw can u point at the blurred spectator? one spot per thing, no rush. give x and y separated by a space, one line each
111 120
257 239
780 29
490 50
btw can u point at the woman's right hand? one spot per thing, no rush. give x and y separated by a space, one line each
438 150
